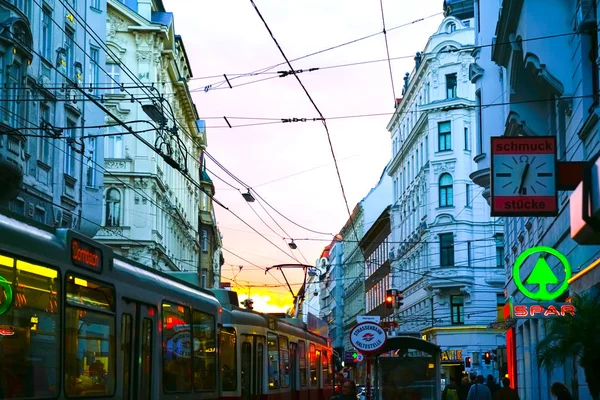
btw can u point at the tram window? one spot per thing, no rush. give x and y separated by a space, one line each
205 352
273 354
313 364
302 362
29 330
146 368
126 336
89 339
284 365
228 359
327 373
177 352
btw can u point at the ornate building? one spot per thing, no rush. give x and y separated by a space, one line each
153 213
447 251
48 163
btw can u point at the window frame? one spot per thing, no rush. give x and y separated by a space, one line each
163 341
230 331
215 359
277 384
446 249
302 355
113 313
457 310
283 373
451 91
444 136
446 191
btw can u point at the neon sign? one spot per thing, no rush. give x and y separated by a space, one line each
541 274
8 294
84 255
540 311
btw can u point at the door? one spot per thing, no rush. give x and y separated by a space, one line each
137 335
294 371
247 370
260 366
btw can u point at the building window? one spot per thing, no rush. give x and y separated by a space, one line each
467 139
468 194
594 64
451 27
70 155
70 49
204 241
466 23
445 136
46 34
447 249
94 67
114 73
113 207
499 255
95 4
203 281
451 86
446 189
39 215
114 142
457 310
479 122
44 151
90 162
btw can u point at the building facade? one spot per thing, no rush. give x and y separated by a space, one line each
446 248
546 78
152 213
48 155
332 297
211 256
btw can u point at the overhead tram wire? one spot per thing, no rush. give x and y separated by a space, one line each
249 187
387 49
197 185
466 49
266 69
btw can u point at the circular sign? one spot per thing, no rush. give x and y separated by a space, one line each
368 337
8 294
360 357
541 274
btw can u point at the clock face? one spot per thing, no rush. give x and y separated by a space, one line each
524 175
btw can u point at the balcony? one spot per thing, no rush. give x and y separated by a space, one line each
450 277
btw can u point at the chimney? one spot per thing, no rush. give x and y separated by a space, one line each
418 59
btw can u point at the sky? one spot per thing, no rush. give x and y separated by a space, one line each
290 165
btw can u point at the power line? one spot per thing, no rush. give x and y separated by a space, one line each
387 49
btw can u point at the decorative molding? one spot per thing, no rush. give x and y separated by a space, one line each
464 70
144 55
515 126
115 164
533 64
444 167
475 72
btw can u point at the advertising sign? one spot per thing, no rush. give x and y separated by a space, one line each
368 337
523 176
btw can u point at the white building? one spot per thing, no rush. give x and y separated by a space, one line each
152 212
546 78
447 250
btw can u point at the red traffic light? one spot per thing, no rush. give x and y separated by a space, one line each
389 299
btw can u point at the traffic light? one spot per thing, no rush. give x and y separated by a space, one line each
487 358
468 362
399 299
390 296
355 357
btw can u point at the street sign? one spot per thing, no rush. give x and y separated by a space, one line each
542 275
368 318
348 358
523 176
368 337
360 357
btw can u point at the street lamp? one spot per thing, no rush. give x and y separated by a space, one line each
155 113
292 245
248 197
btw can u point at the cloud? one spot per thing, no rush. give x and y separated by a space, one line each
267 303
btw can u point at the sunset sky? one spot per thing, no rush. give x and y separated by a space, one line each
290 165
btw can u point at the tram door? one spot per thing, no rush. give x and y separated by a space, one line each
294 371
252 366
137 334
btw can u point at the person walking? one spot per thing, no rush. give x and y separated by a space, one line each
479 391
451 390
560 391
348 392
506 393
463 390
491 384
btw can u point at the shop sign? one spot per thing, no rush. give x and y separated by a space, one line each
452 355
543 311
541 275
368 337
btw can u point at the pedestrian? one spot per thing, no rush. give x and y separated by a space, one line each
491 384
479 391
506 393
451 390
463 390
348 391
560 391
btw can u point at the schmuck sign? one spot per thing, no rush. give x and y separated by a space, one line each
368 337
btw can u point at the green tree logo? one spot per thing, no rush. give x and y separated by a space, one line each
542 274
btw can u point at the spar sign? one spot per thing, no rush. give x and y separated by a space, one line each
368 337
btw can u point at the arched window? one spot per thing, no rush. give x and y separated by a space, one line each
446 195
113 207
451 27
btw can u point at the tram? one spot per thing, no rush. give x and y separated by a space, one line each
77 321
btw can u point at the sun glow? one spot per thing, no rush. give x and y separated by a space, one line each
267 302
